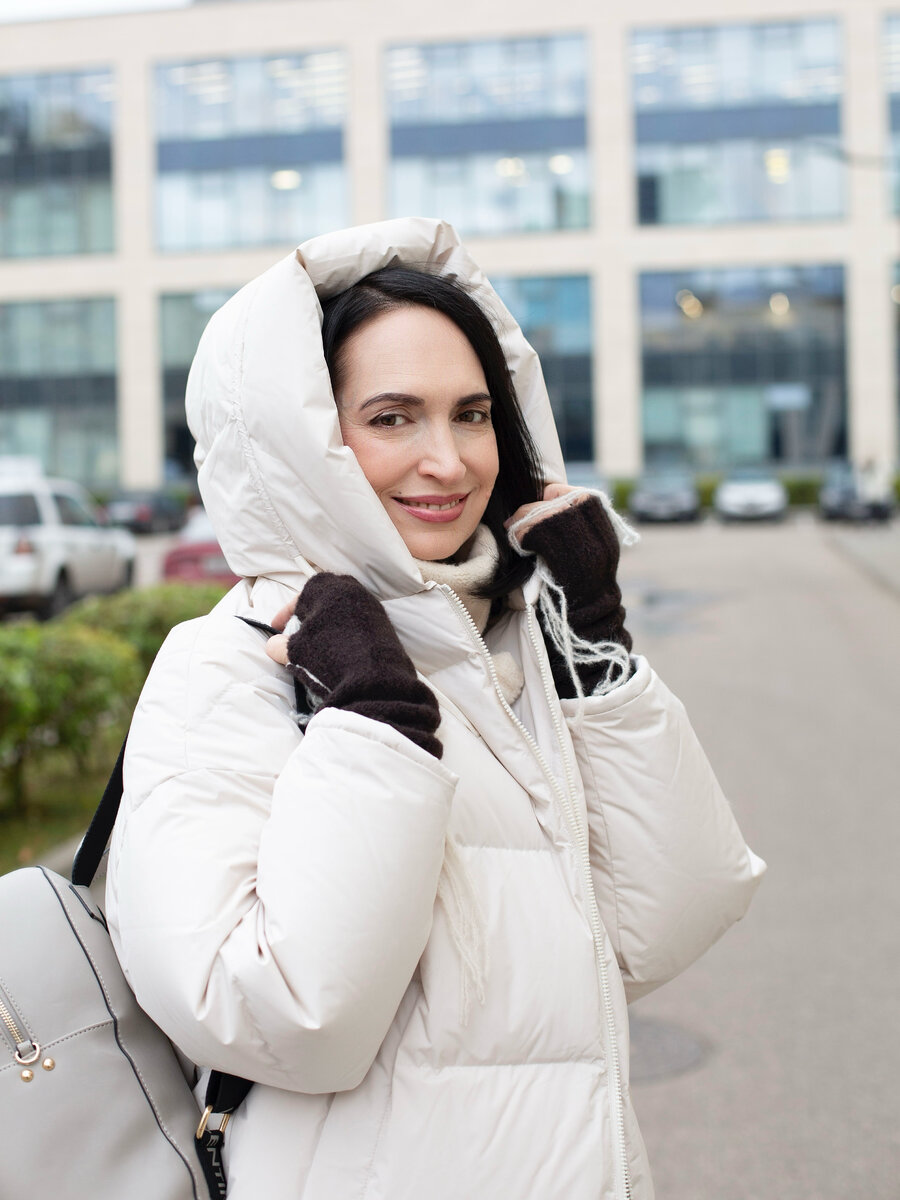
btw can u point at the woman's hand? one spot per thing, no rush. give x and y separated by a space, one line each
551 492
277 646
347 655
580 547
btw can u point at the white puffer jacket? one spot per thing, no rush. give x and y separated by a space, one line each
272 895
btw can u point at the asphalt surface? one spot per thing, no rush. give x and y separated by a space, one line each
771 1068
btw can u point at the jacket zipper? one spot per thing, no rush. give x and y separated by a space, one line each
27 1050
577 832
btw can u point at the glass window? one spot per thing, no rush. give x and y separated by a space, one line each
490 194
58 387
511 155
792 62
19 510
250 150
56 164
554 313
743 366
183 317
71 512
486 80
738 123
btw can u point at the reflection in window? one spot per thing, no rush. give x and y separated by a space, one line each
743 366
491 134
485 194
738 123
182 320
56 164
554 313
250 151
58 386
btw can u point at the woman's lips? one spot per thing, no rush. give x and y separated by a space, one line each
435 509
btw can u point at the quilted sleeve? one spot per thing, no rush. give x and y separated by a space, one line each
270 893
671 869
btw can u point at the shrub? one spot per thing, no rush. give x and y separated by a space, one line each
802 489
144 617
620 493
60 686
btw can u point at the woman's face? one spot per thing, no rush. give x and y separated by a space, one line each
414 408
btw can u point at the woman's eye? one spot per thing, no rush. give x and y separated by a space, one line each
475 416
389 420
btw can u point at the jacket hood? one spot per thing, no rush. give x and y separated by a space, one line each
283 492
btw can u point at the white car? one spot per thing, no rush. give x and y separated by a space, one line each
750 493
52 546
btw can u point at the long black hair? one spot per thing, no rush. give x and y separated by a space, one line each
519 479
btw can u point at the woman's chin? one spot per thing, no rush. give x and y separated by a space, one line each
435 545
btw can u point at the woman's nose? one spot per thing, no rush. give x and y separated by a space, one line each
441 457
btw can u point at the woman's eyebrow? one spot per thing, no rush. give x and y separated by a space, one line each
406 398
391 398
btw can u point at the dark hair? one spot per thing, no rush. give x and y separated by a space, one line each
519 479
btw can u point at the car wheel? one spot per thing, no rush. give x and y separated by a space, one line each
59 599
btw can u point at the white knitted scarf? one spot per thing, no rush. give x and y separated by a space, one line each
465 577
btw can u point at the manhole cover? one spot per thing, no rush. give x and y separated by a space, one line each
660 1048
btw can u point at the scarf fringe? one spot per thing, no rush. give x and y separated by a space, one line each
554 608
465 917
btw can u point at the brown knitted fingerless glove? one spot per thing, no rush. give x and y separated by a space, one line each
580 547
347 655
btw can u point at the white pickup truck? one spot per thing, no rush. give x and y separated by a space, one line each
53 548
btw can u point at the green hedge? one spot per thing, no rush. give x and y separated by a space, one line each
59 689
144 617
65 683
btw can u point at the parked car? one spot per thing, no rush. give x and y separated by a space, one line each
54 547
750 493
146 511
197 556
848 495
665 496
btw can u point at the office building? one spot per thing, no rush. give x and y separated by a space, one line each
693 215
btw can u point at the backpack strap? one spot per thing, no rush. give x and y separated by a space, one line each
93 844
224 1093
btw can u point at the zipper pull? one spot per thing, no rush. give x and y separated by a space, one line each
27 1052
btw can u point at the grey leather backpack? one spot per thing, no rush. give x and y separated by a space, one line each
94 1104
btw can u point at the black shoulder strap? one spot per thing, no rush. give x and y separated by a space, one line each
90 852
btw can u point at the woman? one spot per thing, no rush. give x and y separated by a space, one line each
414 919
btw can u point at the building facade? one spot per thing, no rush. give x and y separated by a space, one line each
694 219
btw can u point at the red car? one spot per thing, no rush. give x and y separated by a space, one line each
197 556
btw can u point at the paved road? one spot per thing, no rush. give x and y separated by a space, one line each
783 643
